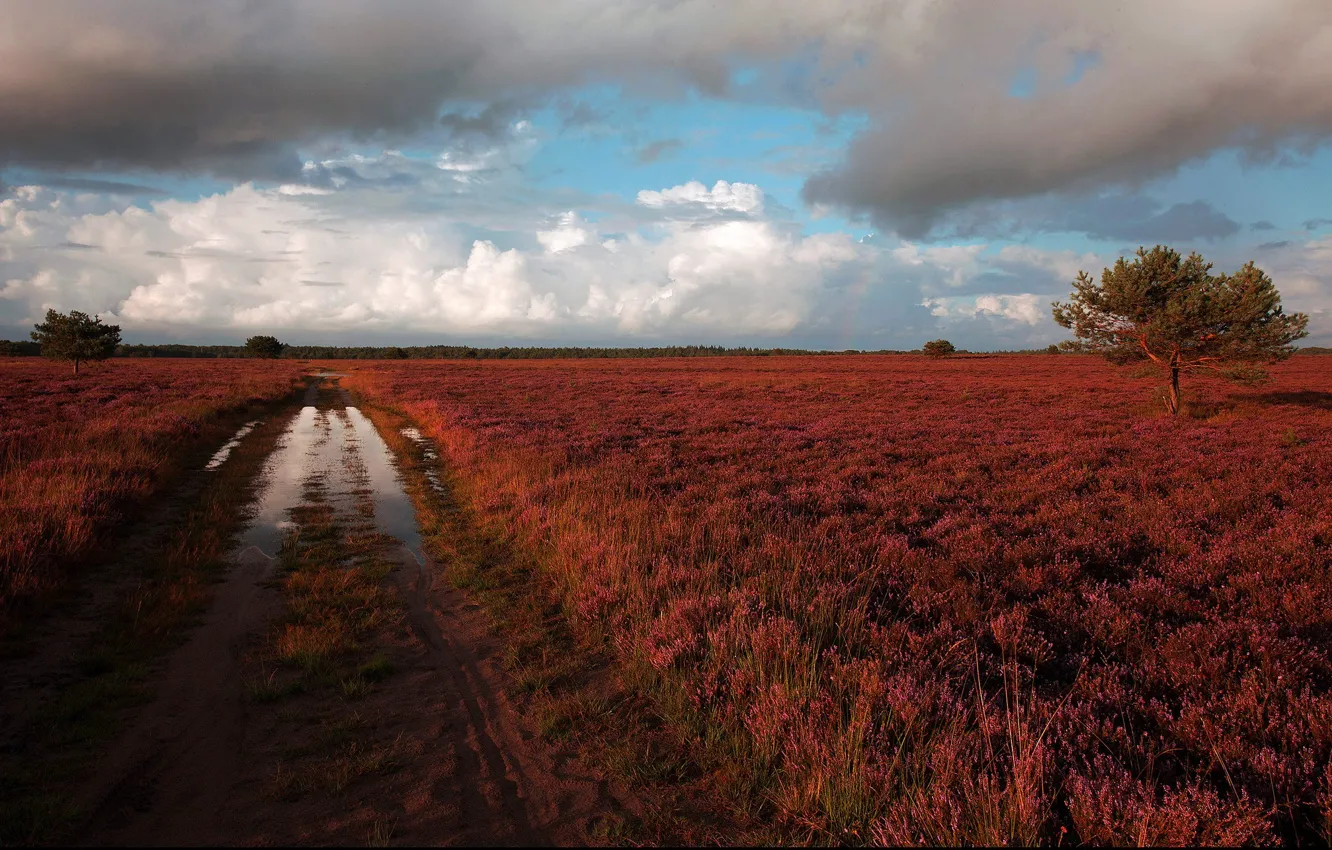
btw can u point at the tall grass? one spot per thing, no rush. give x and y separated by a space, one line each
1037 613
79 453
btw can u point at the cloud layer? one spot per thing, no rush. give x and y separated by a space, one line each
684 263
1111 92
252 258
1122 92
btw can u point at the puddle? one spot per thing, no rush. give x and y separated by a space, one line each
394 513
225 452
340 448
428 453
284 473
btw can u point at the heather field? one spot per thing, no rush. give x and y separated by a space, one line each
986 599
78 453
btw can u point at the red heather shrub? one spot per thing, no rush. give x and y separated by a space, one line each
973 600
76 452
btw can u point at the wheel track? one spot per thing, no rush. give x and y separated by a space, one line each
193 766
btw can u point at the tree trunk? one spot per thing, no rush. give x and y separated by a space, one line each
76 365
1174 389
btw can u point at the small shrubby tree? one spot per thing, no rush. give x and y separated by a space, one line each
1173 312
938 348
76 336
266 347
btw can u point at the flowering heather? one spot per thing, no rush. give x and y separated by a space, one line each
77 451
985 599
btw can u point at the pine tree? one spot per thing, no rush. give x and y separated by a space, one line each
76 337
266 347
938 348
1172 311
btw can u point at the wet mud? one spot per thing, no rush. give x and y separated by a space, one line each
197 765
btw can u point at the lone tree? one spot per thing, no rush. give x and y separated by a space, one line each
266 347
938 348
1173 312
76 337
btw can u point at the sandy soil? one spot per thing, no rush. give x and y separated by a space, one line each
204 764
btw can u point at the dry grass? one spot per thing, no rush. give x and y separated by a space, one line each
170 588
563 678
79 454
825 572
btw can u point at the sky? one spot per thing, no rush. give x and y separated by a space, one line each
780 173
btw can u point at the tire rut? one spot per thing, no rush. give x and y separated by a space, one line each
473 696
197 764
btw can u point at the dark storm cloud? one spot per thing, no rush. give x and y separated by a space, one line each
228 87
1262 225
1111 217
233 86
492 123
1246 76
1178 223
1315 223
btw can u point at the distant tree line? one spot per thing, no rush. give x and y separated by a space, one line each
19 348
24 348
434 352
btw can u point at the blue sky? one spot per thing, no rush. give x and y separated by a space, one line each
768 174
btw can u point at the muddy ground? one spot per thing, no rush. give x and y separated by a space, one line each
397 729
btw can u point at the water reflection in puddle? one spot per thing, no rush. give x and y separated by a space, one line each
223 453
428 453
341 450
394 513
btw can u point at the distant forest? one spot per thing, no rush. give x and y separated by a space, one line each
467 352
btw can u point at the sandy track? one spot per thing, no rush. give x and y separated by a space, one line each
168 779
196 766
525 796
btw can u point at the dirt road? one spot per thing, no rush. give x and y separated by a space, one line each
433 754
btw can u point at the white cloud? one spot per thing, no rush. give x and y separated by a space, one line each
958 262
467 159
567 235
1027 308
722 197
436 260
300 189
1302 272
254 258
